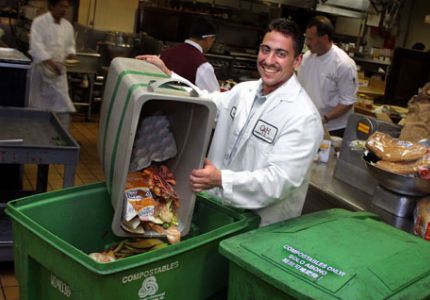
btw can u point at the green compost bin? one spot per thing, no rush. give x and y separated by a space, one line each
332 254
54 233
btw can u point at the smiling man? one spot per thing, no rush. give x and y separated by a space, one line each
267 133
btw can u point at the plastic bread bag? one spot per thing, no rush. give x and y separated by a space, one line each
394 150
419 167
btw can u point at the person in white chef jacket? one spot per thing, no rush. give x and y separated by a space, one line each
267 133
51 42
329 76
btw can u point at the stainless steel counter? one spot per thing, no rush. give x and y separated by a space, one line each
29 136
325 192
89 63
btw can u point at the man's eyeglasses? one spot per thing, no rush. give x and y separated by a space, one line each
280 53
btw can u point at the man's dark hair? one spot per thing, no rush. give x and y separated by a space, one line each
202 26
288 28
323 25
52 3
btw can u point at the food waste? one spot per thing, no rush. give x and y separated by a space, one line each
126 248
152 203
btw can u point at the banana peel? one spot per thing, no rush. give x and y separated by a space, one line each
143 243
160 246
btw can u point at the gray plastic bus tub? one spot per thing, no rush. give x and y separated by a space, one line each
126 100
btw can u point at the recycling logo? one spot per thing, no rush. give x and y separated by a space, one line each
149 289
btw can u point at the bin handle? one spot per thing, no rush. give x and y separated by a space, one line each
155 84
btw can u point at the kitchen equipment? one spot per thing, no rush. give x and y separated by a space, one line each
350 167
345 8
15 77
408 73
116 44
32 137
402 184
135 89
87 65
396 194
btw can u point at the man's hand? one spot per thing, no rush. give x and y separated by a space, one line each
54 66
206 178
155 60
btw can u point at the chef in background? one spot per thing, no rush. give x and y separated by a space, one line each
51 42
329 76
187 59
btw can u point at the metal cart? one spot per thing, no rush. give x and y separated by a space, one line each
30 136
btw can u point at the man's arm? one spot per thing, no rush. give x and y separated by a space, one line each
347 85
336 112
155 60
216 97
206 78
38 50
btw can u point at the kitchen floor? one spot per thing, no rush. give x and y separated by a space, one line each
88 171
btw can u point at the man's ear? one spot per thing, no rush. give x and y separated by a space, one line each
298 60
326 38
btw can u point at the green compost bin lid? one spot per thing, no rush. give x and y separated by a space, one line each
334 254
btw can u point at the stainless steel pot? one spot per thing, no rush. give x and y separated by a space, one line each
402 184
116 44
114 50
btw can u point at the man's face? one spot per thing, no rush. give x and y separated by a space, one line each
59 10
276 61
316 44
208 43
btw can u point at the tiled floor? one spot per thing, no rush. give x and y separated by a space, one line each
88 171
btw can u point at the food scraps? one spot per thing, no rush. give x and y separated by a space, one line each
152 203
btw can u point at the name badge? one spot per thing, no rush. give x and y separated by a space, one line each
233 112
265 131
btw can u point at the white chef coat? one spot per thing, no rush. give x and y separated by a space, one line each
330 79
205 74
49 40
266 169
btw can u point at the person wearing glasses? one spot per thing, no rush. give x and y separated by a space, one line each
267 133
188 60
329 76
